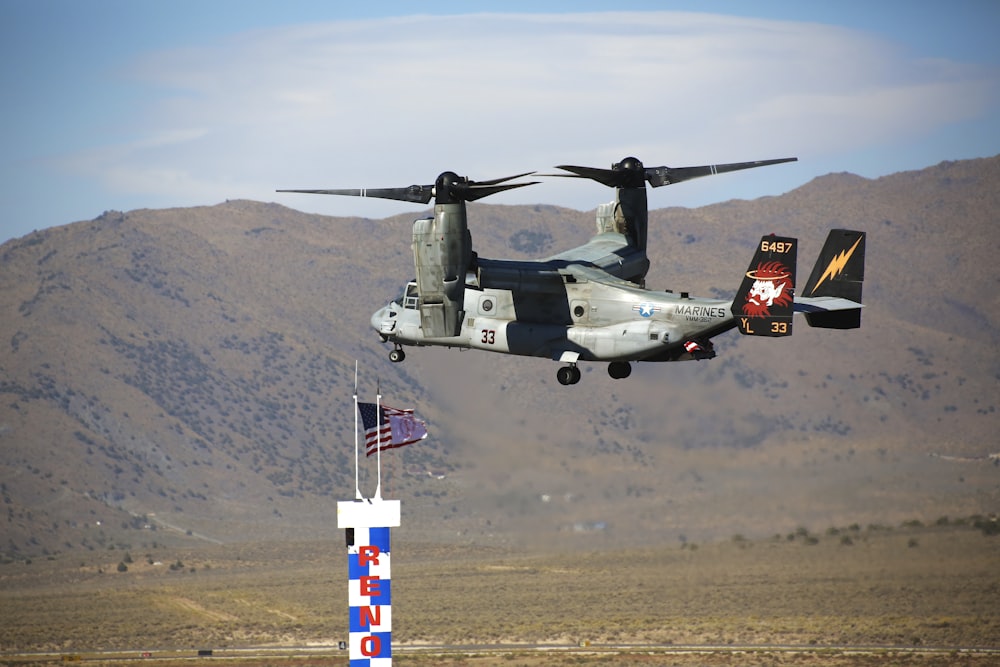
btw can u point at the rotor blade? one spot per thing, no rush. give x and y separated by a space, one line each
658 176
449 187
419 194
501 180
608 177
479 190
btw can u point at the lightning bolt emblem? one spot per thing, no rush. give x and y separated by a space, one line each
836 265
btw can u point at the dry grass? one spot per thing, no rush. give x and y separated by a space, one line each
878 590
919 587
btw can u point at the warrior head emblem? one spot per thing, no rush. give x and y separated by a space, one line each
771 285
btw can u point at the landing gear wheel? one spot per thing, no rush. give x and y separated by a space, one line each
397 355
568 375
619 369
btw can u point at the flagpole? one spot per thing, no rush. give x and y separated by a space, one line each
378 436
357 483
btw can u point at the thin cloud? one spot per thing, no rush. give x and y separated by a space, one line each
395 101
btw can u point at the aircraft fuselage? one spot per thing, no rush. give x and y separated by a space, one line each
546 309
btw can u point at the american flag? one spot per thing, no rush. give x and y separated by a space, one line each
395 428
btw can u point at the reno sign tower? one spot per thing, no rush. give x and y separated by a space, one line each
366 523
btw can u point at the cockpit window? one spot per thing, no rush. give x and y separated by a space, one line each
410 296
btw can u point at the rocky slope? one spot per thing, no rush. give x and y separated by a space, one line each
190 372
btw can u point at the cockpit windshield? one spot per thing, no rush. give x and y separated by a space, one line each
408 299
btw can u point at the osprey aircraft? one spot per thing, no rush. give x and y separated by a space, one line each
591 304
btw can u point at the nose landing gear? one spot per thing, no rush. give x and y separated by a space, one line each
397 355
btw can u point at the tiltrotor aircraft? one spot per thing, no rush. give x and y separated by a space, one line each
591 303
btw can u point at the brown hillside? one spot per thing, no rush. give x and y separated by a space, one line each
190 371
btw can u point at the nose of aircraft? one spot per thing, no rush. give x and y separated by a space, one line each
383 323
377 318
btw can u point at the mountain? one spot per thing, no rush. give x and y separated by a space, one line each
187 374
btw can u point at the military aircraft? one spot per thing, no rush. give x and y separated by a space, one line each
590 304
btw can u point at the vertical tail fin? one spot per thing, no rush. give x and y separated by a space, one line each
839 272
764 304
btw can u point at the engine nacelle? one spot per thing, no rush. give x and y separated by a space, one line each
442 252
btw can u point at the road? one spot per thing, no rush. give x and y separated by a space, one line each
813 655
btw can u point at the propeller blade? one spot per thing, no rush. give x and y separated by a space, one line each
418 194
479 190
630 173
658 176
449 187
501 180
609 177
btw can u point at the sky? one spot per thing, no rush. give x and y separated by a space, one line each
126 104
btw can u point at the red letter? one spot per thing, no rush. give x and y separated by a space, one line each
369 586
368 618
368 555
371 646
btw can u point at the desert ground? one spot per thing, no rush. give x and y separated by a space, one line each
853 595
